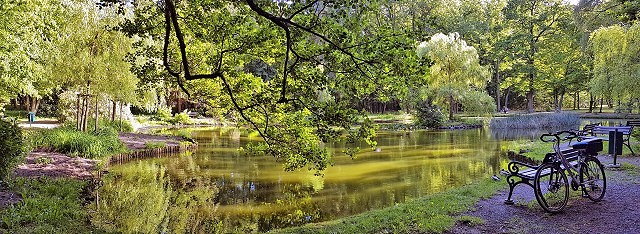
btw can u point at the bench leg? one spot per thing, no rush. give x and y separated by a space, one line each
512 184
629 146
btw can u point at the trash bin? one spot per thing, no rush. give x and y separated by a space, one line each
32 117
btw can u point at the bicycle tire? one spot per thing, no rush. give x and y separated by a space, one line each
593 179
551 187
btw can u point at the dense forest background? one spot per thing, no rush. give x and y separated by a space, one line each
296 70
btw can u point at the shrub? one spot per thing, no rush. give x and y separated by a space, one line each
429 117
94 145
181 118
11 147
48 206
154 144
536 121
162 115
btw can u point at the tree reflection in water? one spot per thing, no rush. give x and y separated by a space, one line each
218 189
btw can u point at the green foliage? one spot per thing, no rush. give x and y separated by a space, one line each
456 71
95 145
134 200
563 120
429 117
48 206
139 198
162 114
471 220
632 169
11 147
534 149
432 214
181 118
106 123
44 160
154 144
477 102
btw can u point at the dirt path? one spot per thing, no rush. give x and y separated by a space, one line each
137 141
619 212
50 164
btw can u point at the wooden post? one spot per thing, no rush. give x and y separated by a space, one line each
78 112
121 116
95 125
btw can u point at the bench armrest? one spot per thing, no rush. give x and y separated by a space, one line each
514 166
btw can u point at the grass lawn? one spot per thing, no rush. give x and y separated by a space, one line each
435 213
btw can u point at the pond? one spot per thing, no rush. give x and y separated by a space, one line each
219 188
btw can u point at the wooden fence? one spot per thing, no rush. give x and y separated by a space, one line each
151 153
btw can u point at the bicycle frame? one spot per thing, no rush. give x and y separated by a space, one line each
563 160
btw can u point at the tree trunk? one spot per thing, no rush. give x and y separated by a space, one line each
121 116
95 125
555 99
78 113
591 102
451 107
85 117
498 81
506 98
530 95
85 113
560 101
601 103
113 111
36 105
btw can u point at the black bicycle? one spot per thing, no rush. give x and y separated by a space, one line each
551 183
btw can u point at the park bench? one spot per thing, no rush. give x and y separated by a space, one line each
587 130
605 130
522 169
633 123
192 114
623 110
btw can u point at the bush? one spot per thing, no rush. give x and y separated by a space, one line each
11 147
429 117
181 118
95 145
562 120
105 123
48 206
162 115
154 144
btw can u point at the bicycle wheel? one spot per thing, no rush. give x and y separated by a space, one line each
551 188
592 178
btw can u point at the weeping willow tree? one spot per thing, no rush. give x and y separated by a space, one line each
616 65
456 74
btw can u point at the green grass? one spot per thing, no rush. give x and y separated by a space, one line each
566 120
48 206
154 144
93 145
535 149
633 170
435 213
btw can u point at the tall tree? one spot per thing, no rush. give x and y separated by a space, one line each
532 21
455 69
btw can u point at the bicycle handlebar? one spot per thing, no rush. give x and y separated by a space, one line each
556 136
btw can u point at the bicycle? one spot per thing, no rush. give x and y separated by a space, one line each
551 183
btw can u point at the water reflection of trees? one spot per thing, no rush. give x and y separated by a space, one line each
210 192
139 198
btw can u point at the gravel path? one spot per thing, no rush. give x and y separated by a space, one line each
619 212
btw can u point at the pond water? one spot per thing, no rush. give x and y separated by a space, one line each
219 188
